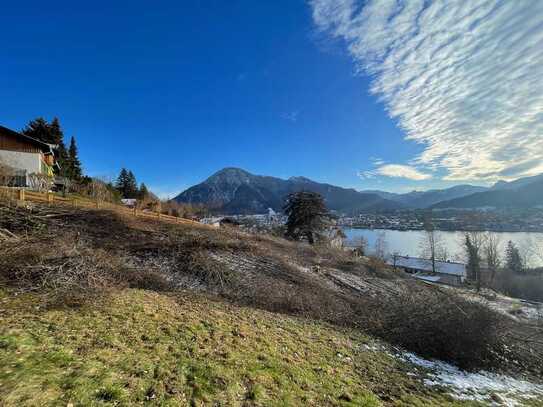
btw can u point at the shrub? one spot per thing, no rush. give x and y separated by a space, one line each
435 324
526 286
71 273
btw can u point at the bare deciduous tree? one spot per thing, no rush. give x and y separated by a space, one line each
532 251
491 248
360 245
431 244
474 242
381 245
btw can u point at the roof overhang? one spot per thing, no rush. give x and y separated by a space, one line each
45 147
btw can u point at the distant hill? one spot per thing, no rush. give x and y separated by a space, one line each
236 191
504 185
522 193
426 199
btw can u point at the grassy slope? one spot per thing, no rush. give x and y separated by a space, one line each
146 348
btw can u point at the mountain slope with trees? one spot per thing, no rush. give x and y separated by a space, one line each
467 196
236 191
526 195
425 199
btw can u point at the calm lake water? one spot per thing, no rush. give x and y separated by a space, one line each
409 242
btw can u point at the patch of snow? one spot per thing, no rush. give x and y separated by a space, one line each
532 312
481 386
371 348
433 279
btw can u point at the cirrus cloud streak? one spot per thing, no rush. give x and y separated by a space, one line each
462 78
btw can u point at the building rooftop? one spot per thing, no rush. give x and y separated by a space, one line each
43 146
416 263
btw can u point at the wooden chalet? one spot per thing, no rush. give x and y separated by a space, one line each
22 156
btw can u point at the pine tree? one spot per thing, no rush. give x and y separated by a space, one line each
40 130
122 182
73 163
52 133
132 186
57 135
513 260
143 191
127 185
307 215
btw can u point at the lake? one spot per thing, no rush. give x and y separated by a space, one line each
409 242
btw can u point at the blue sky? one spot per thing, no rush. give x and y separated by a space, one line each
177 90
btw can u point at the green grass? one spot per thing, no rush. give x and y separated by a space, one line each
145 348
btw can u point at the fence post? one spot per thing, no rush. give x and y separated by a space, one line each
21 194
135 212
97 204
50 197
158 215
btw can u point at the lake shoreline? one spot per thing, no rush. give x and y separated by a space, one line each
506 230
411 242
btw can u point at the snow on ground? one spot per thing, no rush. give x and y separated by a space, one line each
480 386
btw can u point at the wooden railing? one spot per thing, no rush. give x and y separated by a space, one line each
22 195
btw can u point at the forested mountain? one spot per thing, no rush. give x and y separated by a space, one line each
522 193
425 199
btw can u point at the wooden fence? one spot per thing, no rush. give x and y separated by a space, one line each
51 198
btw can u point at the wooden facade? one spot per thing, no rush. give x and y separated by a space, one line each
11 141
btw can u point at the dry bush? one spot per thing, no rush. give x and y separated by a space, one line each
184 241
302 298
204 267
435 324
95 189
187 211
70 272
526 286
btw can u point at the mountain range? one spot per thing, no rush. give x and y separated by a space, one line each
236 191
522 193
425 199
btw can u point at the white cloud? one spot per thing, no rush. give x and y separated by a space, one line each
463 78
396 171
377 160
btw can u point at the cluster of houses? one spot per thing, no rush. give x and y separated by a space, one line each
23 157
